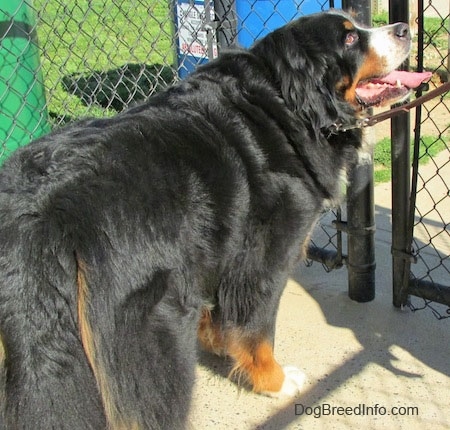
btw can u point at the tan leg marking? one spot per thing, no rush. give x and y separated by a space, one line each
256 363
253 361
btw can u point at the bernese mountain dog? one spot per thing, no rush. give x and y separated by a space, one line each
125 240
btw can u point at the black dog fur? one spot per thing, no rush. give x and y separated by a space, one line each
117 233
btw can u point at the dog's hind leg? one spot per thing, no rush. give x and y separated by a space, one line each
140 342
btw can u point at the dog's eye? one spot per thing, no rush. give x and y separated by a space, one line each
351 39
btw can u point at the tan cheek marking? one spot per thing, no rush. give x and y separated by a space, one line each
350 95
372 66
344 83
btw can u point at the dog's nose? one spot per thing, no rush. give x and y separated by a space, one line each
402 30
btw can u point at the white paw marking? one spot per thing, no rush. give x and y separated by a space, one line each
293 383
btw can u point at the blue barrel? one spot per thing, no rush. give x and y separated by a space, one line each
255 18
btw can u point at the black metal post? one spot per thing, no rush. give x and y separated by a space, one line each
227 22
401 183
360 207
361 231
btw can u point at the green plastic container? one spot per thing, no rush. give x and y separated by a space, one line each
23 112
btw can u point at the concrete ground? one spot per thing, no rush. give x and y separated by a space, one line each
390 367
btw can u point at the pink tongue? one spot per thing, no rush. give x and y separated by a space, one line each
408 79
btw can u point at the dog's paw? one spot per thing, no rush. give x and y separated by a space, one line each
294 380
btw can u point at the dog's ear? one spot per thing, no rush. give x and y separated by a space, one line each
305 76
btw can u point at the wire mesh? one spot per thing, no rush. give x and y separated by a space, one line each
431 241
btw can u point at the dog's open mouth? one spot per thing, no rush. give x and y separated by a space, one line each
389 89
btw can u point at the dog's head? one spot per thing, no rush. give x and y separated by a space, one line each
325 64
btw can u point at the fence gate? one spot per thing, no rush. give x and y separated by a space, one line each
421 246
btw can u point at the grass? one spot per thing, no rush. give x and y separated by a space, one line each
429 148
94 35
380 19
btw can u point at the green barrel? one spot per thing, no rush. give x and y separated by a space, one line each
23 112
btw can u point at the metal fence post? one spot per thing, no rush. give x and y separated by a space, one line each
227 26
360 208
400 149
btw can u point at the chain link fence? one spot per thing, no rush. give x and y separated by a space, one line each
430 199
91 57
